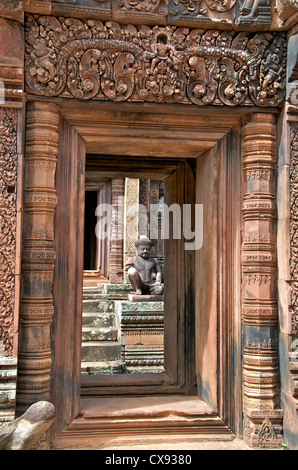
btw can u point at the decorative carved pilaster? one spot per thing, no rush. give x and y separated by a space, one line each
38 254
294 257
259 308
8 214
116 243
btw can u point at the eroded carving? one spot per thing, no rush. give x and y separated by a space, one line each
220 5
287 11
92 60
149 6
257 11
24 432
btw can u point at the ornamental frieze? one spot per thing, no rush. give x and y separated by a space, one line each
90 59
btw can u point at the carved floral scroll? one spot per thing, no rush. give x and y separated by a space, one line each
294 256
8 209
89 59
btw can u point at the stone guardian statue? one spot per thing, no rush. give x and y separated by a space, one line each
144 272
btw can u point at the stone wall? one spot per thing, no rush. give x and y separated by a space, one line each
11 169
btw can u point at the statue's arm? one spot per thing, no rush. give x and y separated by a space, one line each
158 271
129 263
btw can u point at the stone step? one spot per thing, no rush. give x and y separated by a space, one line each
105 368
107 292
140 307
98 306
102 320
93 351
116 288
99 334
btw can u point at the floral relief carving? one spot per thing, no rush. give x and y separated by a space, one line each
87 59
8 175
294 233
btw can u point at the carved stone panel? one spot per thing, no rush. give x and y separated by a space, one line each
8 214
88 60
254 13
136 11
293 321
198 13
83 8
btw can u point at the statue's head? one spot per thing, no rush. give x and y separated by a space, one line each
143 246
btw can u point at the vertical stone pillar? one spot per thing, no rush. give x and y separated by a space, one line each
11 180
262 413
131 229
116 243
38 254
144 200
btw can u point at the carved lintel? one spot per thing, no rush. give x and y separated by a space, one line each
87 60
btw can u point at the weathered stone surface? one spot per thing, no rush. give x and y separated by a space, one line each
99 320
102 334
24 432
94 351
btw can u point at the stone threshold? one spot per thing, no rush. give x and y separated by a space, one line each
140 407
104 421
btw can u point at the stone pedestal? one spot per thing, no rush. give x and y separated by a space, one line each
142 333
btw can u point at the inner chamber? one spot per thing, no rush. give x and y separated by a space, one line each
122 332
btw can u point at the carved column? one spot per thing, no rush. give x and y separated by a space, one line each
131 230
116 244
38 254
262 414
144 200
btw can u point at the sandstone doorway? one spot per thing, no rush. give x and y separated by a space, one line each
147 361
